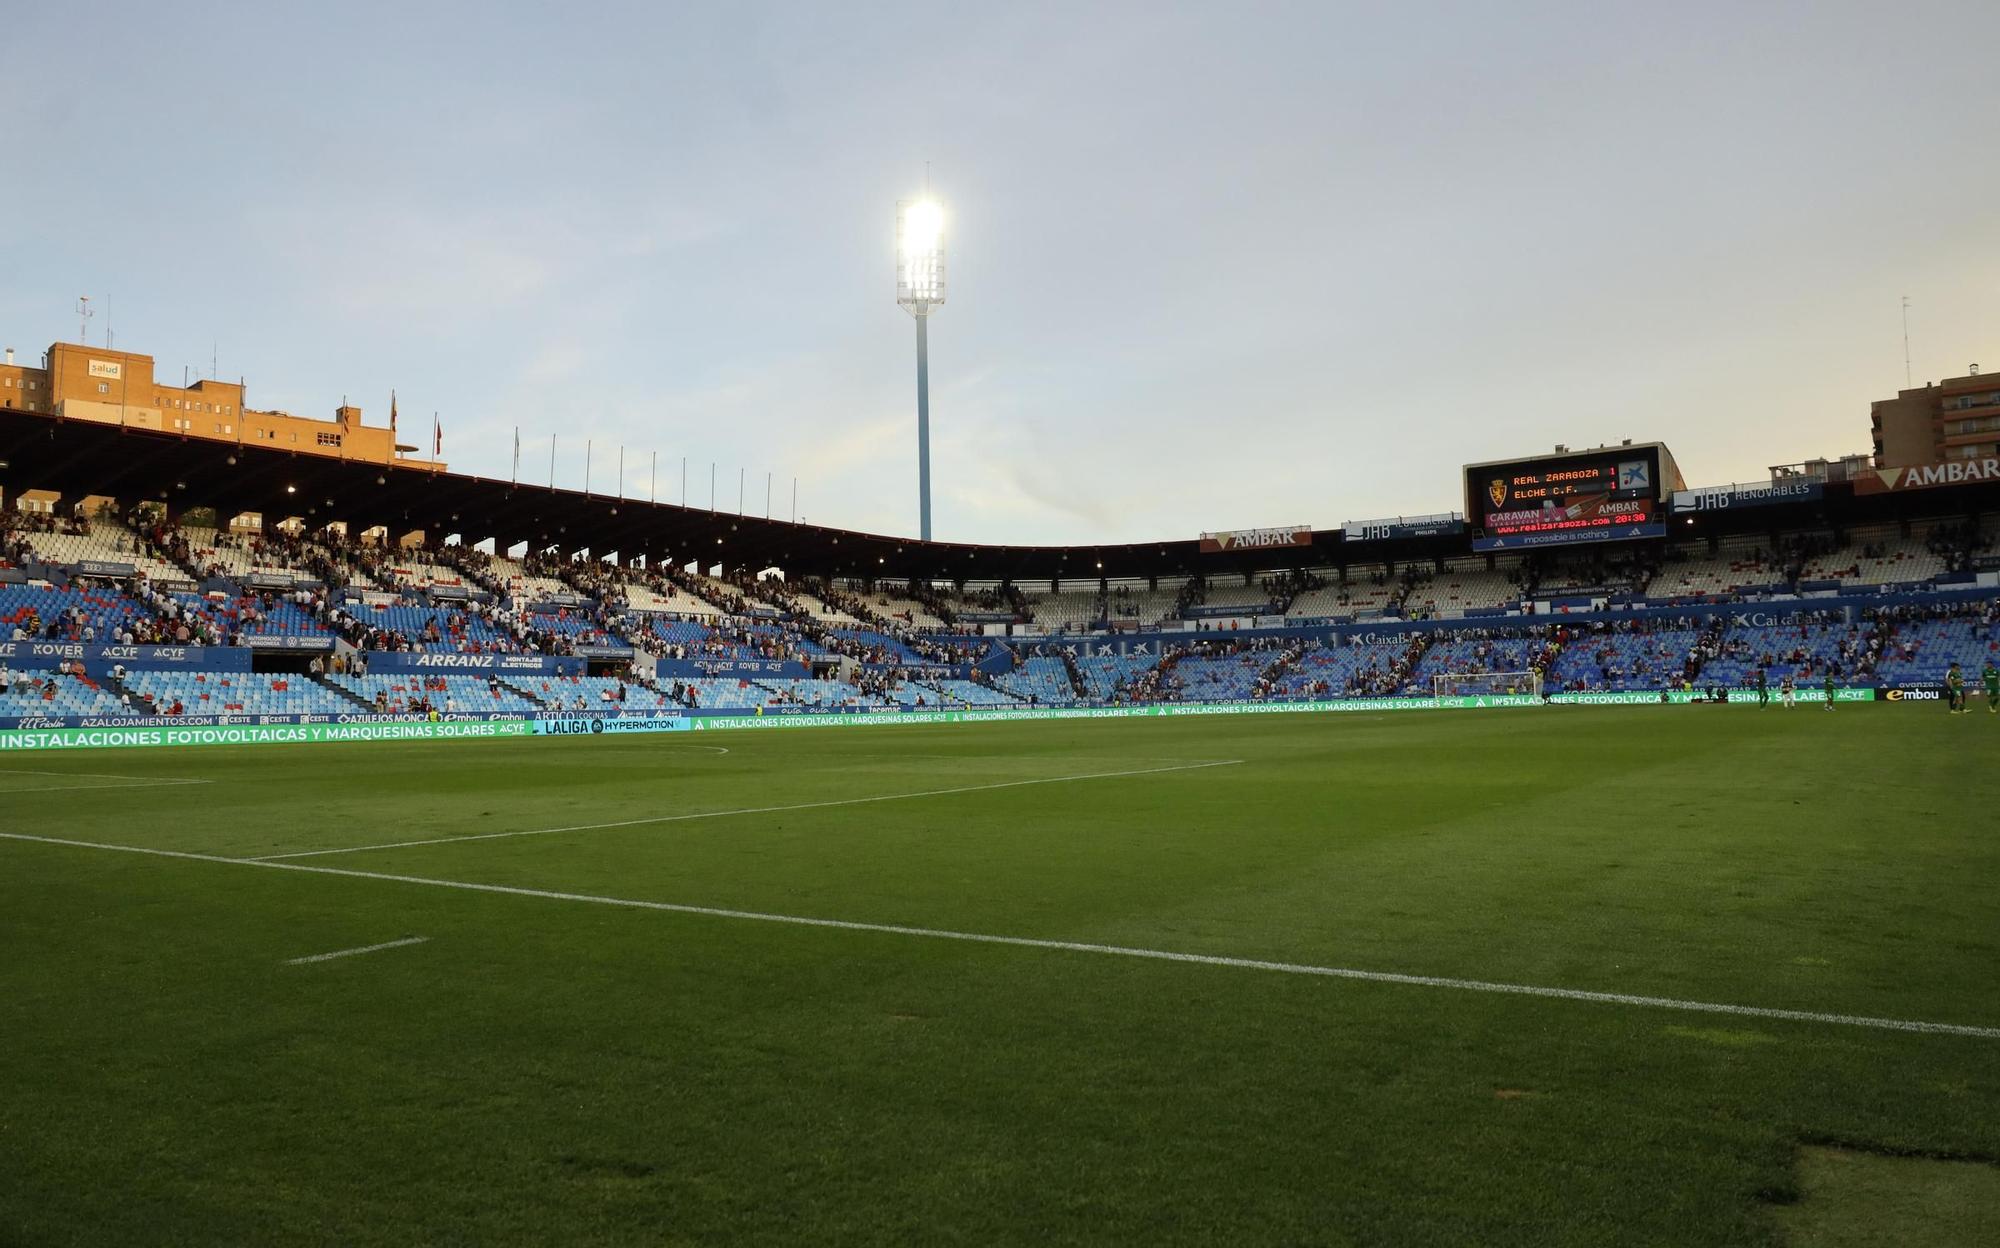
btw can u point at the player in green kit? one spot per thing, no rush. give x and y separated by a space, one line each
1828 704
1954 689
1763 687
1991 675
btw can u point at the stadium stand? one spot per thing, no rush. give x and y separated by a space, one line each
1921 650
1067 610
106 540
956 693
76 613
1695 573
48 691
1042 680
1223 677
402 694
1135 606
1104 674
1621 659
1366 592
237 693
1463 586
896 606
253 615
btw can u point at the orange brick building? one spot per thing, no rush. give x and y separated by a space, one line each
78 382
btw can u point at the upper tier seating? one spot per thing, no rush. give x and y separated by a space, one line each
1740 561
896 606
107 542
1462 586
1067 611
1899 560
1136 606
1361 595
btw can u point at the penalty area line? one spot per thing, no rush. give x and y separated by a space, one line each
135 782
99 775
1071 946
348 953
746 810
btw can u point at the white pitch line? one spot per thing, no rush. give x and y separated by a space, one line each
100 775
747 810
1070 946
98 788
348 953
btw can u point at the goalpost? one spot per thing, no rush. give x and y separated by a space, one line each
1487 685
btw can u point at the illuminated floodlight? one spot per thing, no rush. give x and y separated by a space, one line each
919 255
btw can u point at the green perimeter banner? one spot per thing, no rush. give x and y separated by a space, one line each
253 734
1632 698
735 722
139 734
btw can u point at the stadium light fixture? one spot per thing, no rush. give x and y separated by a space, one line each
920 288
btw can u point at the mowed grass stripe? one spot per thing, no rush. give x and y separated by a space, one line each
1030 942
749 810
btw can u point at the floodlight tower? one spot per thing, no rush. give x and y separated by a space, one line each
919 288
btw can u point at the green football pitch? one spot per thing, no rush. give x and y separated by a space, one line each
1579 976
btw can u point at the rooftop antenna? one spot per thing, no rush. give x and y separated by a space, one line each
1907 382
83 315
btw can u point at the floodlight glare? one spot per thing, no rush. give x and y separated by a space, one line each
919 288
922 224
919 255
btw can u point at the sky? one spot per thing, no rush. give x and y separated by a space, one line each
1212 266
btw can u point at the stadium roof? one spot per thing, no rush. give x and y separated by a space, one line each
81 458
78 458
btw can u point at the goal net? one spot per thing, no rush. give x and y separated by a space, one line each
1487 685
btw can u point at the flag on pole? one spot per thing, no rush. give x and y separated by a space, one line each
392 416
517 454
437 437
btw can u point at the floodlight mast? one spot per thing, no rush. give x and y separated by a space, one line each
920 288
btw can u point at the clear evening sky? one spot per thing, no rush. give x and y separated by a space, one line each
1212 265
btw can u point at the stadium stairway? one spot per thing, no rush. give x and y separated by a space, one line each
1287 662
516 689
118 689
1076 681
360 703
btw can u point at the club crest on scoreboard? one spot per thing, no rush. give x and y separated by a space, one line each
1496 490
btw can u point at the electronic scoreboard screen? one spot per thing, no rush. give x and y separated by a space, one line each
1596 496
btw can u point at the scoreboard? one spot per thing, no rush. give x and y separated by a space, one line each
1609 494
